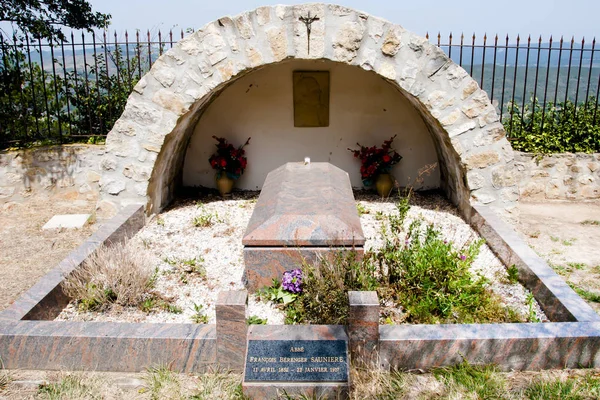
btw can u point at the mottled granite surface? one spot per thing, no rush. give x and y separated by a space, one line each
305 205
106 346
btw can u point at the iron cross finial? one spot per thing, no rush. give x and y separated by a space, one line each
308 20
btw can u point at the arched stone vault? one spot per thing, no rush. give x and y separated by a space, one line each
146 147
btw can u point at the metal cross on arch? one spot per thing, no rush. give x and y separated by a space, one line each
308 20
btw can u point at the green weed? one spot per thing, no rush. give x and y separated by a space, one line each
199 317
589 296
578 266
530 300
255 320
206 219
513 274
361 209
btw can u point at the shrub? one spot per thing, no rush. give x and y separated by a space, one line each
324 297
119 274
417 271
557 128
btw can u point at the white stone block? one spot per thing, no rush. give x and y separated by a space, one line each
70 221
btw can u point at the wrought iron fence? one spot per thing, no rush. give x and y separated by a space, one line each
72 90
75 90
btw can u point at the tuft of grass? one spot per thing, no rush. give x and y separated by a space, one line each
578 266
513 274
199 317
572 388
361 209
554 239
255 320
591 222
535 234
72 387
569 242
219 385
119 274
162 383
205 219
375 383
586 295
482 382
5 377
160 221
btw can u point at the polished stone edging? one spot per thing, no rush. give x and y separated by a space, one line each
29 341
572 340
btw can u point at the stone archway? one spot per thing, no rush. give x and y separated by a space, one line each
146 147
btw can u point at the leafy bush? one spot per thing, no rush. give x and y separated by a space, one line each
324 297
557 128
119 275
415 271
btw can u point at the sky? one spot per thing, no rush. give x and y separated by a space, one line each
567 17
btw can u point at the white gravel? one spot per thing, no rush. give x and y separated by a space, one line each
172 238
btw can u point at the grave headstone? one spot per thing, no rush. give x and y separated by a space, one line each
304 210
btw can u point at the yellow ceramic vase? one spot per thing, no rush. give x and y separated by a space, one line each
384 184
224 184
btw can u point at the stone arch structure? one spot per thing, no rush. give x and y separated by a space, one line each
145 149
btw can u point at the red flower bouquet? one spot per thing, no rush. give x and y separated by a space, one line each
376 160
228 159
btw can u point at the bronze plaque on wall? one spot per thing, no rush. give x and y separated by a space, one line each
311 99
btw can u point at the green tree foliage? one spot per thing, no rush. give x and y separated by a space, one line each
557 128
44 18
98 106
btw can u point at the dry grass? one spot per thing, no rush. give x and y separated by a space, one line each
27 252
5 377
121 274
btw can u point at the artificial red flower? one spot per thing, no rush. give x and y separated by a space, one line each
228 159
376 160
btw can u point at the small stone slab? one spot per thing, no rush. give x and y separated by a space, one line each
307 359
70 221
305 205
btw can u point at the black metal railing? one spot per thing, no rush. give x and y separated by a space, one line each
75 90
71 90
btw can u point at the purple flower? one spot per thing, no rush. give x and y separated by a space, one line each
292 281
463 257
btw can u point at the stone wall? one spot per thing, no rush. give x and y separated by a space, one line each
558 176
70 171
148 143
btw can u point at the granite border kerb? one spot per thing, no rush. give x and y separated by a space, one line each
557 299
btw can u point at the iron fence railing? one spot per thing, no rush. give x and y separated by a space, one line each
75 90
